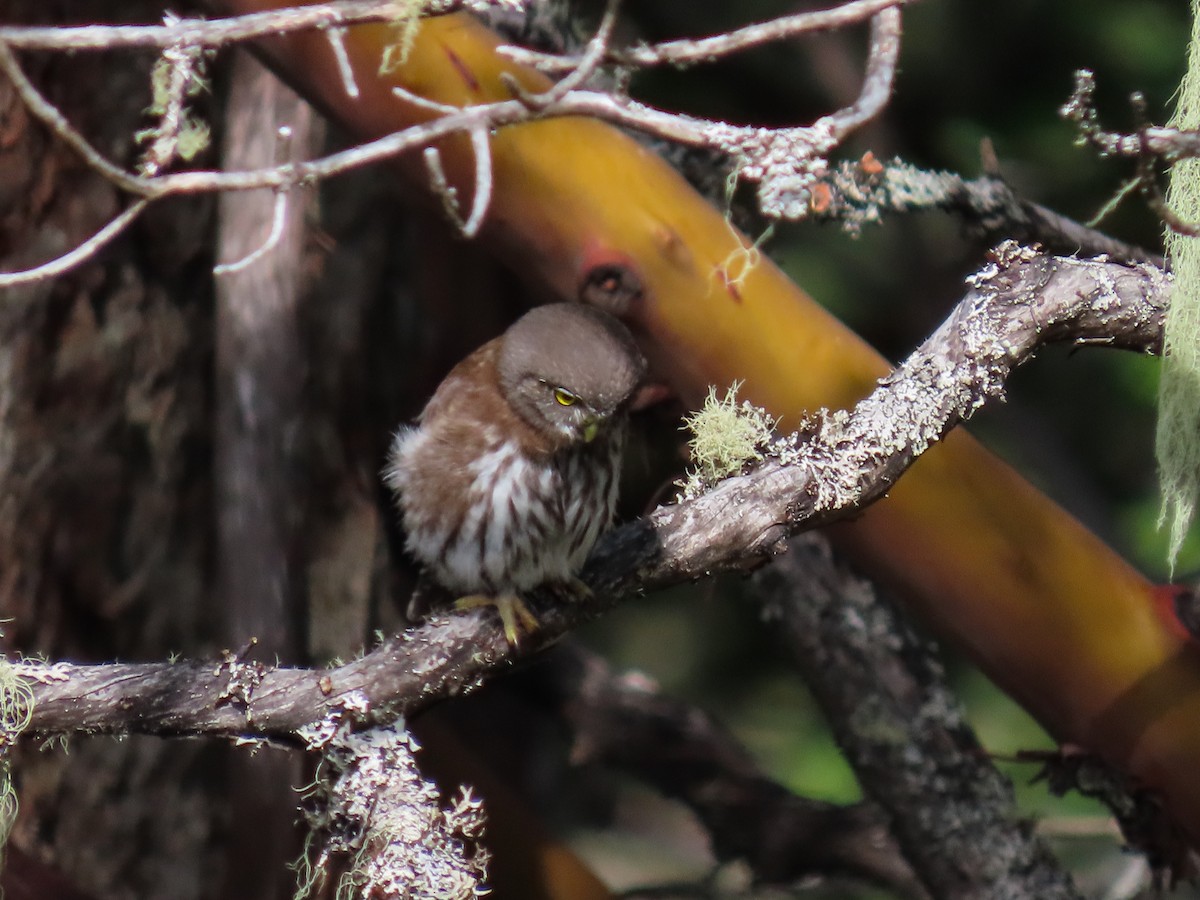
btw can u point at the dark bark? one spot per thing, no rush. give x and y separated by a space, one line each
905 734
103 477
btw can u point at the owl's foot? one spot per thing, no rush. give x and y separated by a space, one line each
514 614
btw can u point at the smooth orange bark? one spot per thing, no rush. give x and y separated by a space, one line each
1046 609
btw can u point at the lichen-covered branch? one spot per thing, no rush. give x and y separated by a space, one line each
382 825
863 192
900 727
1170 143
840 463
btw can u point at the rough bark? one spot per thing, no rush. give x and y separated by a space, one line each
103 478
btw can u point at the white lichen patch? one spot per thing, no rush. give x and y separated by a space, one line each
41 672
726 437
384 826
785 163
352 707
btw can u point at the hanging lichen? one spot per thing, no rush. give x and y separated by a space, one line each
1178 438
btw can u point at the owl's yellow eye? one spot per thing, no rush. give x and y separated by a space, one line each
565 397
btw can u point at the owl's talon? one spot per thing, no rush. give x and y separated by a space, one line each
515 616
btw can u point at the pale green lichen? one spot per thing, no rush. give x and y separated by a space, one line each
743 259
726 436
1178 438
176 78
16 708
406 26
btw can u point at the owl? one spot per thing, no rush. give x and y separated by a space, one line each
510 473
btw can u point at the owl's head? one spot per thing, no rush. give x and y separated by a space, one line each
567 369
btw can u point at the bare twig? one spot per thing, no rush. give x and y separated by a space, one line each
883 53
278 217
1021 301
783 161
700 50
592 56
48 114
482 197
217 32
78 255
337 42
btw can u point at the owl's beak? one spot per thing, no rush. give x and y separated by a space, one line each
590 429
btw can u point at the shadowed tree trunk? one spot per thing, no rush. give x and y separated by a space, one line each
105 479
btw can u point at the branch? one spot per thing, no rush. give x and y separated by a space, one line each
784 162
1148 145
1171 144
701 50
624 721
862 192
845 460
221 32
904 732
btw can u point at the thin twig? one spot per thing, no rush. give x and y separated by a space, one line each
278 218
593 55
699 50
56 122
78 255
1169 143
337 41
208 32
481 200
784 161
880 75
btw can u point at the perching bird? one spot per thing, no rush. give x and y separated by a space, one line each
510 474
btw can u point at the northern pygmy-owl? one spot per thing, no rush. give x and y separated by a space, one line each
510 474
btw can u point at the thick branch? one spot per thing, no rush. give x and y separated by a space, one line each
905 734
1019 302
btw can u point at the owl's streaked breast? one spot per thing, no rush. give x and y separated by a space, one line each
521 520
